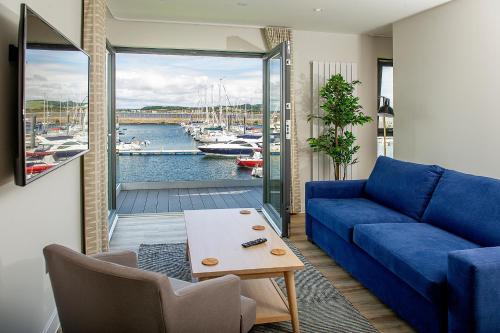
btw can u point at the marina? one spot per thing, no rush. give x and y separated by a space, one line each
169 152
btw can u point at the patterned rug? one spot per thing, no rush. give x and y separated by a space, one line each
322 308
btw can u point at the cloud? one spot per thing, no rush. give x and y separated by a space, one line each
56 76
143 80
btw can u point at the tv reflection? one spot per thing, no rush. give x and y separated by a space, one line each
56 107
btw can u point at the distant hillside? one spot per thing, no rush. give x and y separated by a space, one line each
38 104
166 108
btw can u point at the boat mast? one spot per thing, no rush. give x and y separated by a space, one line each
220 102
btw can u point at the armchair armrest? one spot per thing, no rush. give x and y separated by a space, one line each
209 306
335 189
474 290
124 258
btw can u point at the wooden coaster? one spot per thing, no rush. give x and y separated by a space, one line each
258 227
210 261
278 252
245 212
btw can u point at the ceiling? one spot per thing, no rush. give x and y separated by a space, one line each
344 16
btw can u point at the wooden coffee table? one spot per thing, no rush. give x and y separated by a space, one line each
218 233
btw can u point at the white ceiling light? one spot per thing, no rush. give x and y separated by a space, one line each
317 10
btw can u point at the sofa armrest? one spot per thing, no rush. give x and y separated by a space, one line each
124 258
210 306
474 290
335 189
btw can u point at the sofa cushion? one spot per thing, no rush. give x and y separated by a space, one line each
468 206
416 252
341 215
403 186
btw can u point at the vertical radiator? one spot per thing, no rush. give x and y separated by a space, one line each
321 165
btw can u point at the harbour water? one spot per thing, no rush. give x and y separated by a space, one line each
165 168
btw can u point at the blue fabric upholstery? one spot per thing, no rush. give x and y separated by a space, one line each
403 186
436 275
474 292
468 206
415 252
341 215
419 312
335 189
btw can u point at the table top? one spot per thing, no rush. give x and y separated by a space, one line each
219 233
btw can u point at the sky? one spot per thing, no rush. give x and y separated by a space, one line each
148 79
56 75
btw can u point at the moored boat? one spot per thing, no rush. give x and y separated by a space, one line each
250 162
232 148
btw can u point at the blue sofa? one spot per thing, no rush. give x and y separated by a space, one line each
425 240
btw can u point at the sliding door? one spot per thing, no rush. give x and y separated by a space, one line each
277 107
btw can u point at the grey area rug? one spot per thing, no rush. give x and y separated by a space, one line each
322 308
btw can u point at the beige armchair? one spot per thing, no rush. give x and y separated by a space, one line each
107 293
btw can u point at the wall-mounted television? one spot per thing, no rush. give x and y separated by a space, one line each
53 99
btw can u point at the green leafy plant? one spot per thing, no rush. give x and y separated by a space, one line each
341 111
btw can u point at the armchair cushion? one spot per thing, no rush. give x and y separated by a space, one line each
124 258
416 252
341 215
403 186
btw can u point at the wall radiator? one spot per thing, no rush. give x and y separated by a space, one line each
321 165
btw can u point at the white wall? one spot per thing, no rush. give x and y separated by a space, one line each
46 211
447 87
308 46
363 50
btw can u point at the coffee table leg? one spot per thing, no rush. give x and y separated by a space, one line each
292 300
187 251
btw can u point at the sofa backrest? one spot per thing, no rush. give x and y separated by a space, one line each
403 186
467 206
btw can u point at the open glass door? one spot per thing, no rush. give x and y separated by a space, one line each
276 141
111 142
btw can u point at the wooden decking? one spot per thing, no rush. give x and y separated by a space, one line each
180 199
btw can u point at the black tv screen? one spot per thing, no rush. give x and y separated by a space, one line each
53 99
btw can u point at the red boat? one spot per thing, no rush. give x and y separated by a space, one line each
250 162
39 153
38 168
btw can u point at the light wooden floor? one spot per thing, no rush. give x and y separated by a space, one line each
131 231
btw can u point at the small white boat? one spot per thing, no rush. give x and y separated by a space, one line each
258 172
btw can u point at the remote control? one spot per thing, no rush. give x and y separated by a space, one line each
254 242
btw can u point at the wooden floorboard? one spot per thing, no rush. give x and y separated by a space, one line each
128 202
120 199
162 205
206 198
217 198
151 201
174 203
130 232
140 202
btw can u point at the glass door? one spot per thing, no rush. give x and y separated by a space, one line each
276 141
111 142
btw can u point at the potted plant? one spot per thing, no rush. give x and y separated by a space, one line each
341 111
